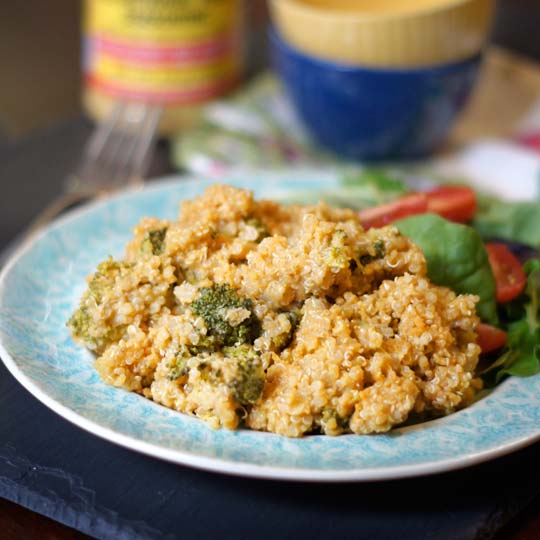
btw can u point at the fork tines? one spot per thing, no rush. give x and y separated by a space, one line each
118 152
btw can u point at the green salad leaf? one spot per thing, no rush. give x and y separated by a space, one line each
378 180
369 187
456 258
521 356
532 291
514 221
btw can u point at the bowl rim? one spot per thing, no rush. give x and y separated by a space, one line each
277 40
350 17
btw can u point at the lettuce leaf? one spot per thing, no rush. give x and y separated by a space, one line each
456 258
517 221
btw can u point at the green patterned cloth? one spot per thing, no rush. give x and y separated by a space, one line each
255 128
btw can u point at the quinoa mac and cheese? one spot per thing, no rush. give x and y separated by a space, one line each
287 319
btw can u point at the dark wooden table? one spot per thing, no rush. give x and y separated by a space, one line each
487 496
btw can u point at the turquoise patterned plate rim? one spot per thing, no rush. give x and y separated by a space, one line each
41 284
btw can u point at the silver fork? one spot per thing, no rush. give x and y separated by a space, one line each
117 155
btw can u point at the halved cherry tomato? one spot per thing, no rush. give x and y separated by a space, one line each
379 216
509 275
490 338
455 203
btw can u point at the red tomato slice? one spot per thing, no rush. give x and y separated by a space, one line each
379 216
490 338
454 203
509 275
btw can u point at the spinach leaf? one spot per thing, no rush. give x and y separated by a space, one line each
517 222
521 356
456 258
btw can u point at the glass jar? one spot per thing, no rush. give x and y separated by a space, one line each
175 53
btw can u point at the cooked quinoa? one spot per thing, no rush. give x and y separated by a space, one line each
287 319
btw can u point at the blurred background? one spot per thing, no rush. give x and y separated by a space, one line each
40 58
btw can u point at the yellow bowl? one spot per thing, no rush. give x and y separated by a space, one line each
385 33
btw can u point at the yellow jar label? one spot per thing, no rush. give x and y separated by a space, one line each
170 52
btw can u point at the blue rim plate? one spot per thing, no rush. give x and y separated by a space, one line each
42 283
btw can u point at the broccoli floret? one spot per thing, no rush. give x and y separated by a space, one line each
332 420
214 303
247 385
336 256
93 336
206 344
201 352
282 341
379 249
104 278
83 327
245 379
180 367
79 324
153 242
259 226
209 373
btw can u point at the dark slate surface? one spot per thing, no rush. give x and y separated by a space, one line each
108 492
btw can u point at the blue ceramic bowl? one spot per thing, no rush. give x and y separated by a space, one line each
374 114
